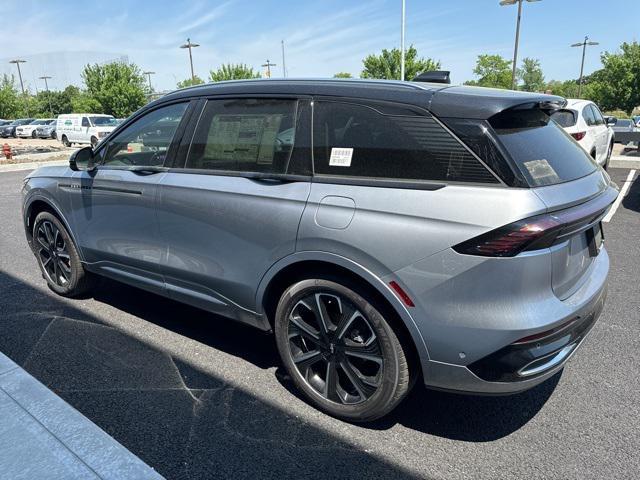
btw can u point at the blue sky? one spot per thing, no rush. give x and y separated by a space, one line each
321 37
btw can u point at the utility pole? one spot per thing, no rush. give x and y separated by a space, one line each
584 50
46 87
17 62
402 26
284 68
268 65
515 49
148 74
190 45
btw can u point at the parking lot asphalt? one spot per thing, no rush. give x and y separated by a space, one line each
196 396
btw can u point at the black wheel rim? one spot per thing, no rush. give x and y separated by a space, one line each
53 254
334 348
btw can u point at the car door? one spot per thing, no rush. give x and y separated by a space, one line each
114 205
602 134
233 207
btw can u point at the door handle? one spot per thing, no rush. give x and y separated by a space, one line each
147 170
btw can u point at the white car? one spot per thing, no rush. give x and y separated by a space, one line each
29 130
584 121
89 128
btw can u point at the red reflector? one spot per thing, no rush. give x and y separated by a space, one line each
401 293
578 135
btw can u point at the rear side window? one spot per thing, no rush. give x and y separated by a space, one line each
357 140
588 115
244 135
597 115
564 118
543 151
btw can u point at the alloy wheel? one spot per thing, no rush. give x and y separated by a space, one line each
53 254
334 348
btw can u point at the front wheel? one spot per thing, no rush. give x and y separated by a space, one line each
94 142
340 351
608 159
58 258
65 141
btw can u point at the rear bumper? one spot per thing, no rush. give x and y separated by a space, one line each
518 367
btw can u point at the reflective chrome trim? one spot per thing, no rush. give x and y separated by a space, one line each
554 359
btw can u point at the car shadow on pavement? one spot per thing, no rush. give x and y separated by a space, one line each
460 417
181 420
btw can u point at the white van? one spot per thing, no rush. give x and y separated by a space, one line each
84 128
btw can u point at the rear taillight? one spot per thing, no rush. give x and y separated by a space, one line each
530 234
541 231
578 135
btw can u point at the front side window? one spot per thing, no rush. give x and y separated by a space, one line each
146 141
357 140
597 115
244 135
85 122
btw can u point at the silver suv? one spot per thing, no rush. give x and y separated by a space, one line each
385 232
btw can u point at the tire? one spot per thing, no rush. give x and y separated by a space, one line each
58 258
94 142
53 135
355 369
65 141
33 134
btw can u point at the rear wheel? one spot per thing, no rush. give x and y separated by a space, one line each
340 351
58 258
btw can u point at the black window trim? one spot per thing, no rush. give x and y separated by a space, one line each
101 150
187 140
393 183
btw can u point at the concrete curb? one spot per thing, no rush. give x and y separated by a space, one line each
16 167
41 436
618 161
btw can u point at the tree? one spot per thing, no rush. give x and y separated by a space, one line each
85 103
493 70
9 105
232 71
190 82
617 84
387 64
343 75
566 89
118 87
531 75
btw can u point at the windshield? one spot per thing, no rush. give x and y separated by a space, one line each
543 151
23 121
623 123
103 121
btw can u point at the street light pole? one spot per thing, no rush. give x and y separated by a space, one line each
148 74
515 49
190 45
584 50
17 62
284 68
402 27
268 65
46 87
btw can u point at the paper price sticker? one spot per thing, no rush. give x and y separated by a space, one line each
340 157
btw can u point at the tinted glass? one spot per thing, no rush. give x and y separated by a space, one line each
545 153
244 135
359 141
588 116
597 115
147 140
623 123
564 118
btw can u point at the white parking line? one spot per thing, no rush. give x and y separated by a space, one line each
623 193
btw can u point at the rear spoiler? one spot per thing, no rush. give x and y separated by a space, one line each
483 103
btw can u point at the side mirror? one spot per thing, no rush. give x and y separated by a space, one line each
611 121
82 160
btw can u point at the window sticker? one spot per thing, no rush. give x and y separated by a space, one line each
542 172
340 157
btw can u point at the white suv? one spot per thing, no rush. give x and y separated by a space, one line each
584 121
